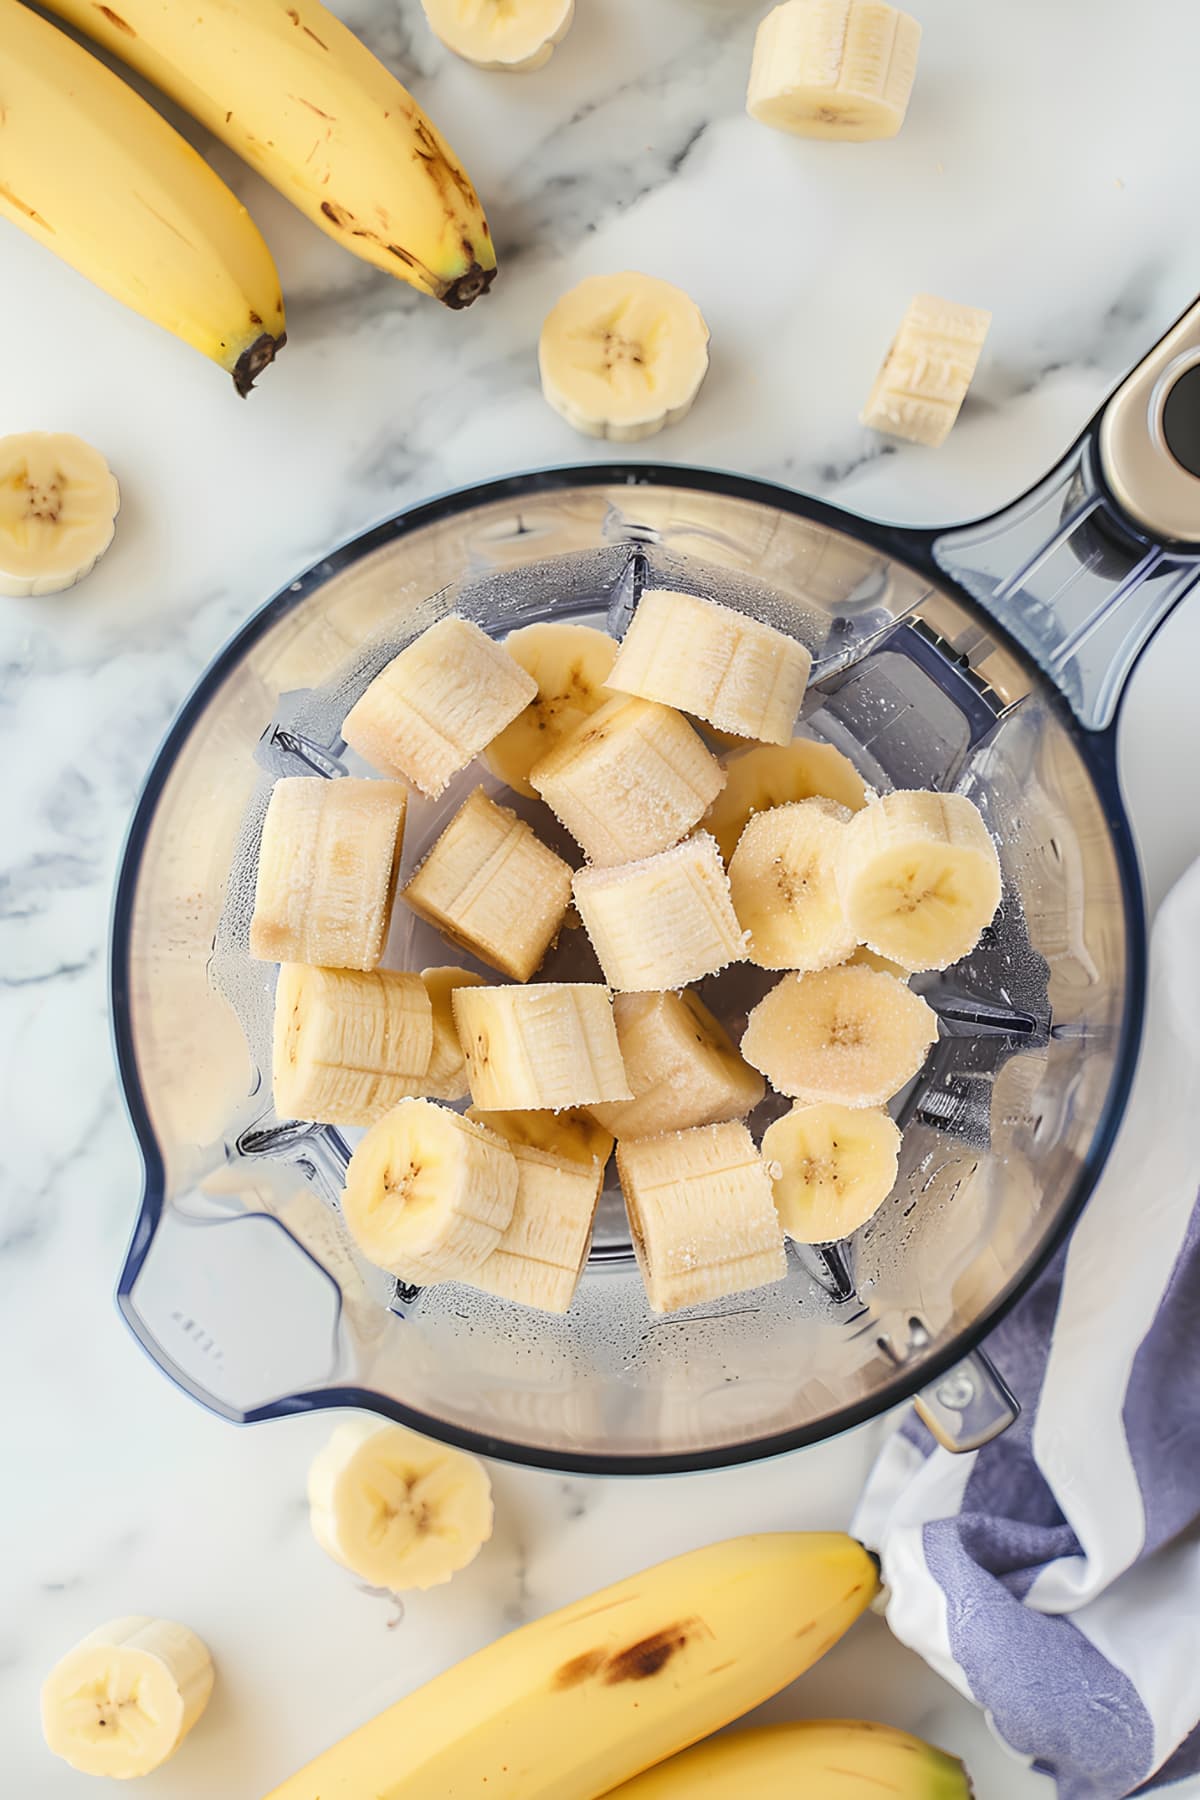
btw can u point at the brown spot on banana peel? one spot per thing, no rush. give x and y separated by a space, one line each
578 1669
257 357
30 212
116 21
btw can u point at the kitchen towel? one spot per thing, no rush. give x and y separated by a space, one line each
1054 1576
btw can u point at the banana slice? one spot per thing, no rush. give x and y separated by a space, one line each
831 1167
570 664
540 1258
501 34
919 391
327 868
735 672
446 1077
629 781
783 879
348 1045
870 959
490 885
396 1509
570 1136
123 1700
849 1035
919 878
661 922
438 704
548 1045
776 775
58 507
702 1215
834 69
429 1194
682 1065
621 356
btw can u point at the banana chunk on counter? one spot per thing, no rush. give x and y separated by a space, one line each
682 1065
663 921
850 1035
831 1167
570 665
919 391
919 877
550 1044
123 1700
507 35
622 356
348 1044
59 502
834 69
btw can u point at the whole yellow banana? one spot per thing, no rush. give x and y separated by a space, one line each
819 1759
573 1704
296 94
97 176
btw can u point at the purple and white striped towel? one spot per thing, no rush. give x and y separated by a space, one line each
1054 1576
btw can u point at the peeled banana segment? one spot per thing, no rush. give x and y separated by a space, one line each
510 35
661 922
919 391
831 1167
438 704
682 1065
849 1035
490 885
572 1135
58 507
920 878
870 959
629 781
123 1700
570 664
834 69
776 775
327 868
540 1257
446 1077
734 671
783 879
348 1044
622 356
428 1193
701 1214
552 1044
395 1508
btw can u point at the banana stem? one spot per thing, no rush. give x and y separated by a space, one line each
259 356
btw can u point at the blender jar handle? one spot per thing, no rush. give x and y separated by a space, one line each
1083 569
969 1406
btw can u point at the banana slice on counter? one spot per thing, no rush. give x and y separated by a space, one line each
682 1065
831 1167
622 356
919 878
429 1194
510 35
661 922
570 664
849 1035
919 390
58 506
348 1045
446 1077
395 1508
552 1044
123 1700
834 69
776 775
783 879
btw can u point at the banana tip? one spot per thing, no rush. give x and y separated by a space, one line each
259 355
468 286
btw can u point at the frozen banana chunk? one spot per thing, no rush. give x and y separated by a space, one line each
682 1065
775 775
919 878
570 664
834 69
348 1044
540 1257
661 922
919 391
552 1044
783 878
446 1076
570 1136
832 1167
850 1035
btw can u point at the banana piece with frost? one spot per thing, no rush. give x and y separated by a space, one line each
570 664
327 868
629 781
834 69
446 1076
395 1508
58 508
919 878
776 775
701 1214
490 885
661 922
850 1035
622 356
723 666
783 879
123 1700
509 35
572 1135
831 1167
429 1194
539 1260
870 959
552 1045
682 1065
437 705
348 1044
919 390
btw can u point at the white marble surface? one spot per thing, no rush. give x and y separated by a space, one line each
1024 181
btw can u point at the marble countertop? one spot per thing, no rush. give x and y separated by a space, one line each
1023 182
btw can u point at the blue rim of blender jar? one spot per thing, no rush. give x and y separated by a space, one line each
909 546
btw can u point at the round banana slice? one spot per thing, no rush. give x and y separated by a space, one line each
123 1700
775 775
919 878
510 35
395 1508
58 506
783 879
834 69
832 1167
849 1035
621 356
569 664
